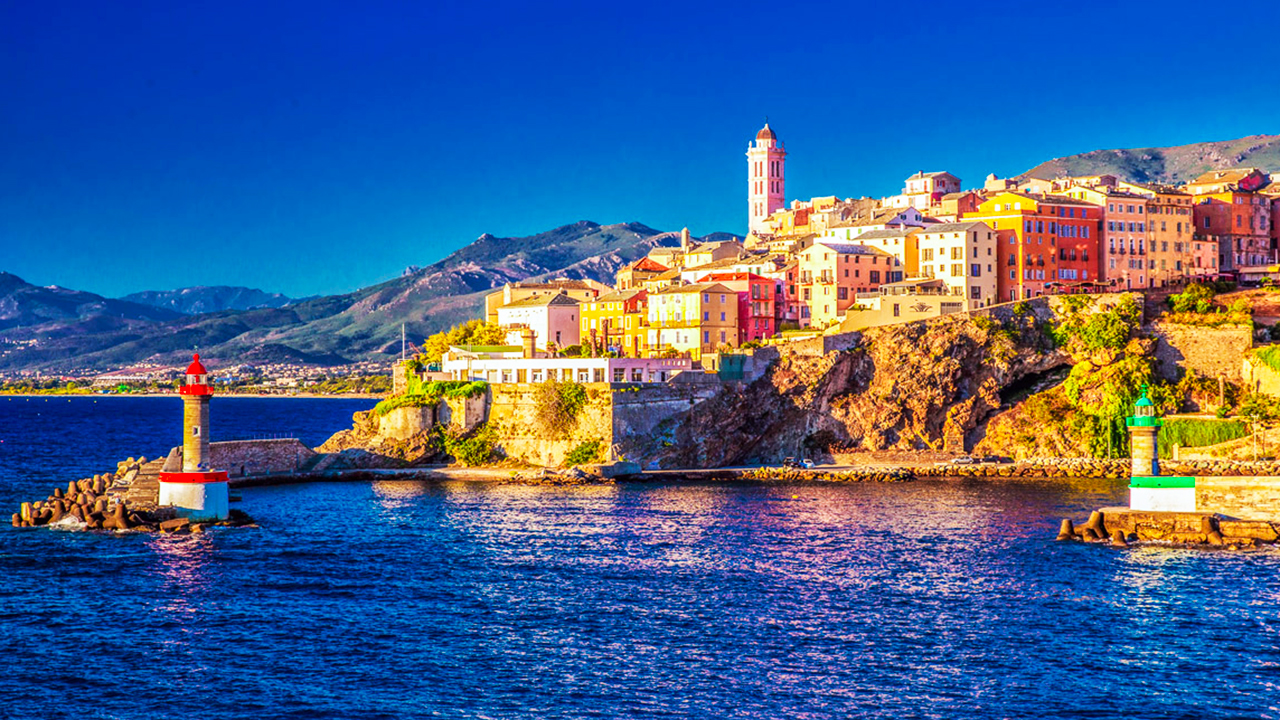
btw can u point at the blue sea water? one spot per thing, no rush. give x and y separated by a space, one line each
401 599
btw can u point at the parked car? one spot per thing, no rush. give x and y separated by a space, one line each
963 460
790 463
807 463
996 459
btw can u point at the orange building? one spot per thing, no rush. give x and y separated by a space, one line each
1045 241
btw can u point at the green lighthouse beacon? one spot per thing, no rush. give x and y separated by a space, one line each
1148 489
1143 427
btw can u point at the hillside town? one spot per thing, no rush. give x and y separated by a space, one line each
832 265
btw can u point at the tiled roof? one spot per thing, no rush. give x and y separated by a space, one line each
954 227
695 288
542 300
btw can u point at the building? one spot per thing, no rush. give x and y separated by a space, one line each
1170 232
953 206
506 368
1229 209
709 252
879 219
695 319
832 273
906 301
553 319
900 242
634 275
766 178
757 298
963 256
580 290
617 322
1123 248
1044 242
925 190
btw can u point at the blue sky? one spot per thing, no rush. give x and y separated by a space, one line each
318 147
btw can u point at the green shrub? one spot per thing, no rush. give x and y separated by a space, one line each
557 405
432 393
1269 355
1198 432
472 449
586 452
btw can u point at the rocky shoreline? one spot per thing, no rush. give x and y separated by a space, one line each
120 501
1120 527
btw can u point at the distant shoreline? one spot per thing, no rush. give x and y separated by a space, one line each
299 396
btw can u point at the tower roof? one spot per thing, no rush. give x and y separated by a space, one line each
766 133
196 367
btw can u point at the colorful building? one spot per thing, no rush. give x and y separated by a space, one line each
1170 232
635 274
553 319
580 290
695 319
757 298
1123 247
963 256
1044 242
925 190
832 273
766 178
617 322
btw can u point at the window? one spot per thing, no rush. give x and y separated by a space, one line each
721 317
843 293
706 316
975 270
706 297
706 337
957 270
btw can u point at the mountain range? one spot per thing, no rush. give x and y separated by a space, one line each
59 330
197 300
1170 165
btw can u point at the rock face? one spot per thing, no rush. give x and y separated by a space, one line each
923 385
399 438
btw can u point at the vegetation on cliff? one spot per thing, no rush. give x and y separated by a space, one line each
557 405
419 394
471 332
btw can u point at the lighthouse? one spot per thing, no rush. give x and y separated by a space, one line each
1148 489
197 492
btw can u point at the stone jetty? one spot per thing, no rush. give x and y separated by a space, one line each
1120 526
124 500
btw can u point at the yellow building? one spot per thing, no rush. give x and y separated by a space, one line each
617 322
693 319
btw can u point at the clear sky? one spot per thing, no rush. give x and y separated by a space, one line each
317 147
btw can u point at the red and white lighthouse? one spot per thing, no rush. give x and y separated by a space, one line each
198 492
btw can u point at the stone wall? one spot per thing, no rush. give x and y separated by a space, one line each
403 423
1212 352
1257 377
623 416
1244 497
252 457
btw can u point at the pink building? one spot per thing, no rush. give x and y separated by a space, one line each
757 298
766 190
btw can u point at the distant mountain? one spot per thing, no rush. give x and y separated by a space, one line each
196 300
334 329
1168 164
23 304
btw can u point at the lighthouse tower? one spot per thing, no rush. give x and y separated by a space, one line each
197 492
766 179
1148 489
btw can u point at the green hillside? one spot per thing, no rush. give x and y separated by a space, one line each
1168 164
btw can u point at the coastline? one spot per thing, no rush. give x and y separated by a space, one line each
297 396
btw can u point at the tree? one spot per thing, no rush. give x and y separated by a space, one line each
471 332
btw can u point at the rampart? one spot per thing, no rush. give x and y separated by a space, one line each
1245 497
1211 351
244 458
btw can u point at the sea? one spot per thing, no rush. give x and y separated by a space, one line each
409 599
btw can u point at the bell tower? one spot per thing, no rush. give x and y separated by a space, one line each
766 178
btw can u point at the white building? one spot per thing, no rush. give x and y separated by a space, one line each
553 318
963 255
513 368
924 190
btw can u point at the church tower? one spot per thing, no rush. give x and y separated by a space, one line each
766 193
